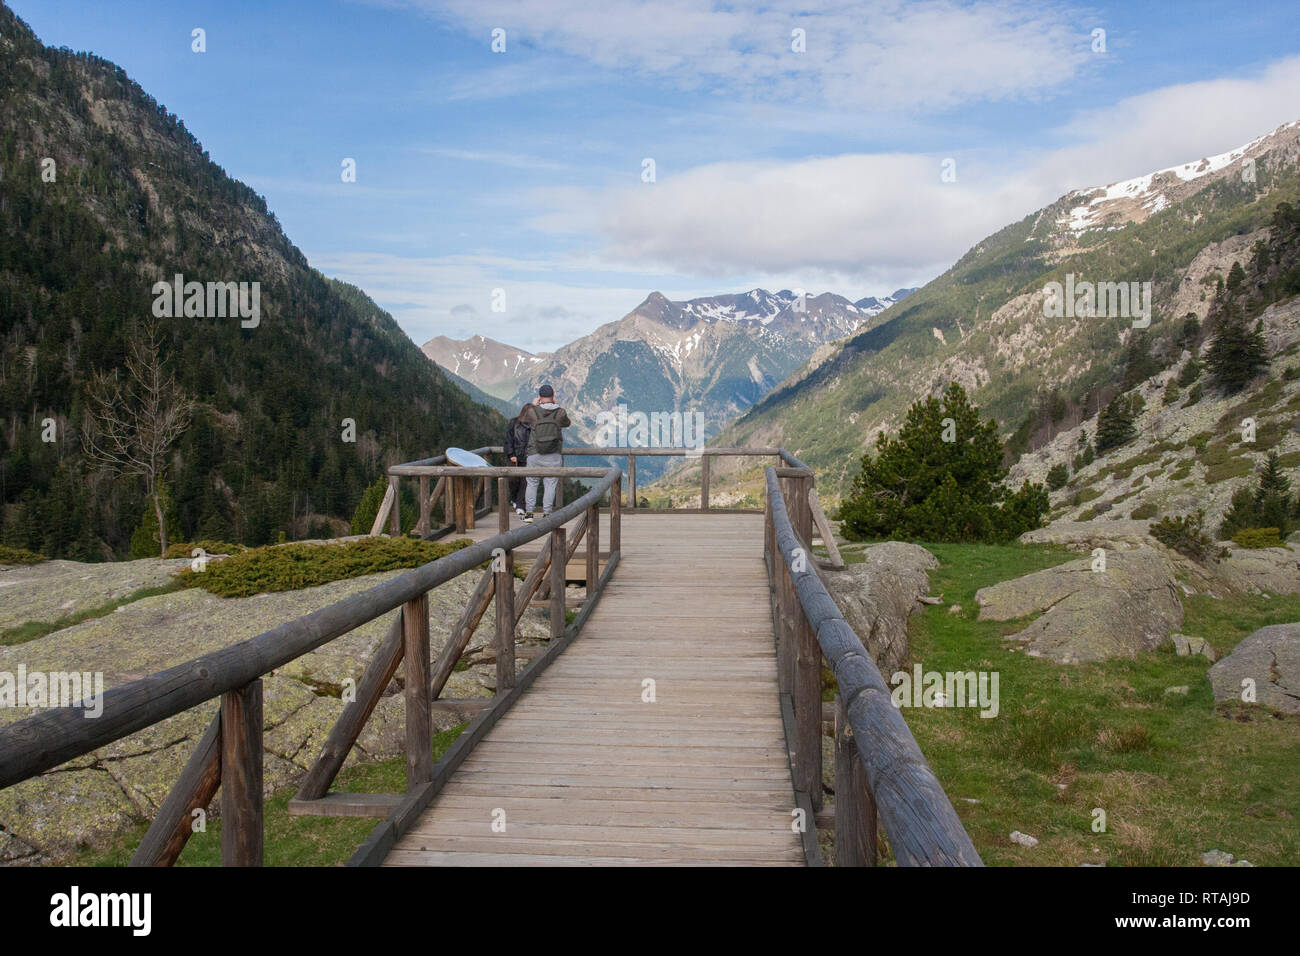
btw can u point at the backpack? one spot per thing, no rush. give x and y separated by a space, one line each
518 438
547 436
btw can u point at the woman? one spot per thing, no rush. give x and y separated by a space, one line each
516 448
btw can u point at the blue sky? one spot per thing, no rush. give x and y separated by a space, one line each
819 169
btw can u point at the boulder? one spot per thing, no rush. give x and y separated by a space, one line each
1187 646
877 596
1089 615
1271 658
1119 535
1260 570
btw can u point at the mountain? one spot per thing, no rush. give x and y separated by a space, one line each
493 366
103 194
873 305
715 356
507 409
988 323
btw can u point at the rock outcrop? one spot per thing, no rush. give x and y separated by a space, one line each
1088 615
877 596
52 590
1271 659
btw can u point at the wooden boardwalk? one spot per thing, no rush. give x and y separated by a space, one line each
583 771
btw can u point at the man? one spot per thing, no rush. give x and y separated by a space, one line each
516 448
545 441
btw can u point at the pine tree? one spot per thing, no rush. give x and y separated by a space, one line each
939 479
1237 352
1115 424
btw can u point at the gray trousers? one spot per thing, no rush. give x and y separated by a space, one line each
555 460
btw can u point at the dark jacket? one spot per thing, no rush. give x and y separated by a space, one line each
516 446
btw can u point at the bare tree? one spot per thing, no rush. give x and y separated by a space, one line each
132 420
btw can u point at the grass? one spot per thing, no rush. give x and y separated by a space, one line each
293 566
1174 775
290 840
32 630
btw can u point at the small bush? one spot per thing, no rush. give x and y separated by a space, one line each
1253 538
1291 374
1057 476
1143 511
185 549
293 566
20 556
1185 535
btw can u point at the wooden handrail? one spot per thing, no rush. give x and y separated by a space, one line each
45 740
923 827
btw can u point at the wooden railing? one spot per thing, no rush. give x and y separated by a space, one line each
229 755
879 769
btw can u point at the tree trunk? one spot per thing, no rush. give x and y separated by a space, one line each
162 525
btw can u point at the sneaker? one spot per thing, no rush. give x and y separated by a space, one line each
519 511
528 519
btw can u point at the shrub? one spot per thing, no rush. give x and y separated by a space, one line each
1254 538
1057 476
1143 511
1194 395
1185 535
1190 373
293 566
185 549
919 486
1291 374
20 556
1171 392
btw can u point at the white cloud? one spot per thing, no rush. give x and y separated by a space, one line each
862 216
886 54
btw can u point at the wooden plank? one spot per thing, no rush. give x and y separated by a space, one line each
241 776
505 613
347 728
395 512
194 789
419 724
385 507
824 529
346 805
558 547
855 808
459 637
704 482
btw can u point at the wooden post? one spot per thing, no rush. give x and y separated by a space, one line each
241 776
503 505
505 604
593 549
807 691
559 551
395 513
616 516
419 721
194 789
426 508
559 487
704 482
631 482
855 808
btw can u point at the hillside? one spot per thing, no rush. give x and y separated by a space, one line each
984 322
105 193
